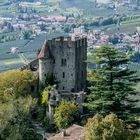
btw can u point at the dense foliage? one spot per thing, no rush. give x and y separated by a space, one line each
16 104
42 118
108 128
16 83
50 80
40 111
111 82
65 114
44 96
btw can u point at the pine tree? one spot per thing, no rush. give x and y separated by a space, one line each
111 82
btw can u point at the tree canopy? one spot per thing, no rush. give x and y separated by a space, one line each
65 114
16 104
16 83
108 128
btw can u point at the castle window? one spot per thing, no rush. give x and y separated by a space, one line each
63 74
63 62
82 74
80 43
63 88
54 61
76 43
83 41
72 90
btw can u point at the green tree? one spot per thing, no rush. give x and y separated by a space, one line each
65 114
50 80
16 83
111 82
15 118
16 105
26 34
108 128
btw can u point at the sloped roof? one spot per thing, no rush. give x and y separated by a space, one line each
45 51
75 132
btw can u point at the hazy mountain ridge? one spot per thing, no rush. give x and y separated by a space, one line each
100 1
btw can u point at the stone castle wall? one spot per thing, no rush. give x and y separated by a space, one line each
68 64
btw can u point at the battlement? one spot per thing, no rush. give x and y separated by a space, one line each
78 37
71 38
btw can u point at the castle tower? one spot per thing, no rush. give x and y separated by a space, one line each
45 62
65 58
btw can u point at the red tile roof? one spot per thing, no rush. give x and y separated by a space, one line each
75 132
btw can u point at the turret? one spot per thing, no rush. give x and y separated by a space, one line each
45 62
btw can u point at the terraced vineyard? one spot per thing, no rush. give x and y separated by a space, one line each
124 28
27 49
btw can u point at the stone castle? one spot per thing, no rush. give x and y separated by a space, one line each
65 58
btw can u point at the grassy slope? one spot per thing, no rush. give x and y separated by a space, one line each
124 28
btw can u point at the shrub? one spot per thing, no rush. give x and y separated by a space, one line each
138 135
138 138
44 96
108 128
50 80
41 111
30 134
46 124
65 114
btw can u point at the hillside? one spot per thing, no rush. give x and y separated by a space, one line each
29 15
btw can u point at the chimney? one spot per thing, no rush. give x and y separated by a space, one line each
64 134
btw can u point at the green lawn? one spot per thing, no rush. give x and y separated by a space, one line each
131 21
124 28
10 61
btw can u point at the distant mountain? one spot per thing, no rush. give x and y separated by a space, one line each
100 1
23 0
103 1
